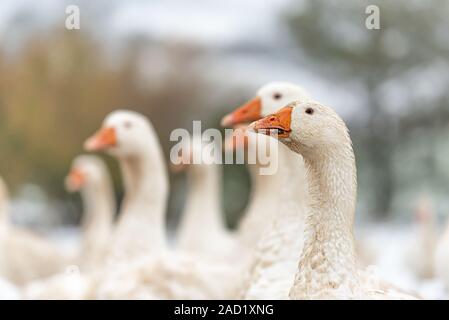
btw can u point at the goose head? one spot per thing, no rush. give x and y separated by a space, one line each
86 171
269 98
309 126
123 134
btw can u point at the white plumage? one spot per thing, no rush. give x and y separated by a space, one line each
24 256
275 218
327 265
202 228
140 264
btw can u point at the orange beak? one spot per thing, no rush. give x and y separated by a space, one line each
277 123
75 180
103 139
249 112
239 139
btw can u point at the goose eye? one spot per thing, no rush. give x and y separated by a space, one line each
309 111
127 125
277 96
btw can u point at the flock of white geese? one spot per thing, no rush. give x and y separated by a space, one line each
295 240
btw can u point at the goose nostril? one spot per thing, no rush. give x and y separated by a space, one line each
272 118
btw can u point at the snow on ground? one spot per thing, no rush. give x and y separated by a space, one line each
389 244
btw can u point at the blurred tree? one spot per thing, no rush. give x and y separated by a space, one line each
411 38
58 87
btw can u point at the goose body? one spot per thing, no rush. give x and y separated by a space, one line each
275 257
25 256
202 227
327 265
90 177
68 285
259 212
140 229
141 265
263 200
173 275
275 219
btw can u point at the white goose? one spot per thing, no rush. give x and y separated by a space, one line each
140 230
23 255
90 177
327 267
202 227
275 258
271 268
269 98
263 200
151 270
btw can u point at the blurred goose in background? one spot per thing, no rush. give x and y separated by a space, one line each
140 230
151 271
327 266
24 256
68 285
90 177
270 273
269 98
202 227
264 199
173 275
420 256
279 235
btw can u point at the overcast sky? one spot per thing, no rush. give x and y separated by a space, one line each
224 26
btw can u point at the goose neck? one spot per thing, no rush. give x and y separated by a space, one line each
327 265
145 182
202 207
99 206
263 185
142 217
203 197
